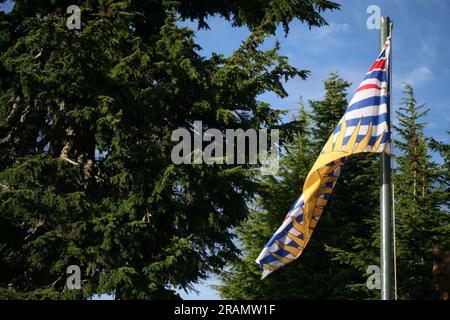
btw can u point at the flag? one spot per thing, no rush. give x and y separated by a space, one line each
362 128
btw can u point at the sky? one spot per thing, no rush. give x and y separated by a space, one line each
420 57
420 52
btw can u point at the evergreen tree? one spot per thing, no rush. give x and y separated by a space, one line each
85 123
350 216
421 220
354 201
276 194
326 113
315 274
421 209
442 192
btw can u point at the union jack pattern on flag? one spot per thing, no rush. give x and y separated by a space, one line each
363 128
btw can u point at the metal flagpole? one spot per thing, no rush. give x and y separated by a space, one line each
386 188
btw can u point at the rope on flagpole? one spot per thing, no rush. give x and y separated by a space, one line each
393 195
394 243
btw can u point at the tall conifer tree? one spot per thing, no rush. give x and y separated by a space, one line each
85 124
421 210
316 274
421 220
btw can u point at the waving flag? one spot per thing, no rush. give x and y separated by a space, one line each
363 128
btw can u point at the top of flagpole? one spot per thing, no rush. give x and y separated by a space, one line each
385 30
386 34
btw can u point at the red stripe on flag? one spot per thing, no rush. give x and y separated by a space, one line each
378 64
369 86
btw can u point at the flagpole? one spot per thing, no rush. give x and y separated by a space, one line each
386 187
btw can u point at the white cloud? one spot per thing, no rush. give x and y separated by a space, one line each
416 77
330 29
344 27
428 50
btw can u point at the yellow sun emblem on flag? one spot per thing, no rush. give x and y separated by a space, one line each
317 185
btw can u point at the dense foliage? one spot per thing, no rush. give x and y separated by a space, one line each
85 124
346 242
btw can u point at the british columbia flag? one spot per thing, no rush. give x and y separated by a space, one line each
363 128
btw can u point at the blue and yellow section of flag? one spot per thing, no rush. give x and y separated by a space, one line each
363 128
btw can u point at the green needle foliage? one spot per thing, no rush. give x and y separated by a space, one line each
316 274
86 118
421 210
346 241
421 203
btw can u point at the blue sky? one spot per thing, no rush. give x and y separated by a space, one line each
420 56
421 53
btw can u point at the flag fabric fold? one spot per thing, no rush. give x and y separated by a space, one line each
363 128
